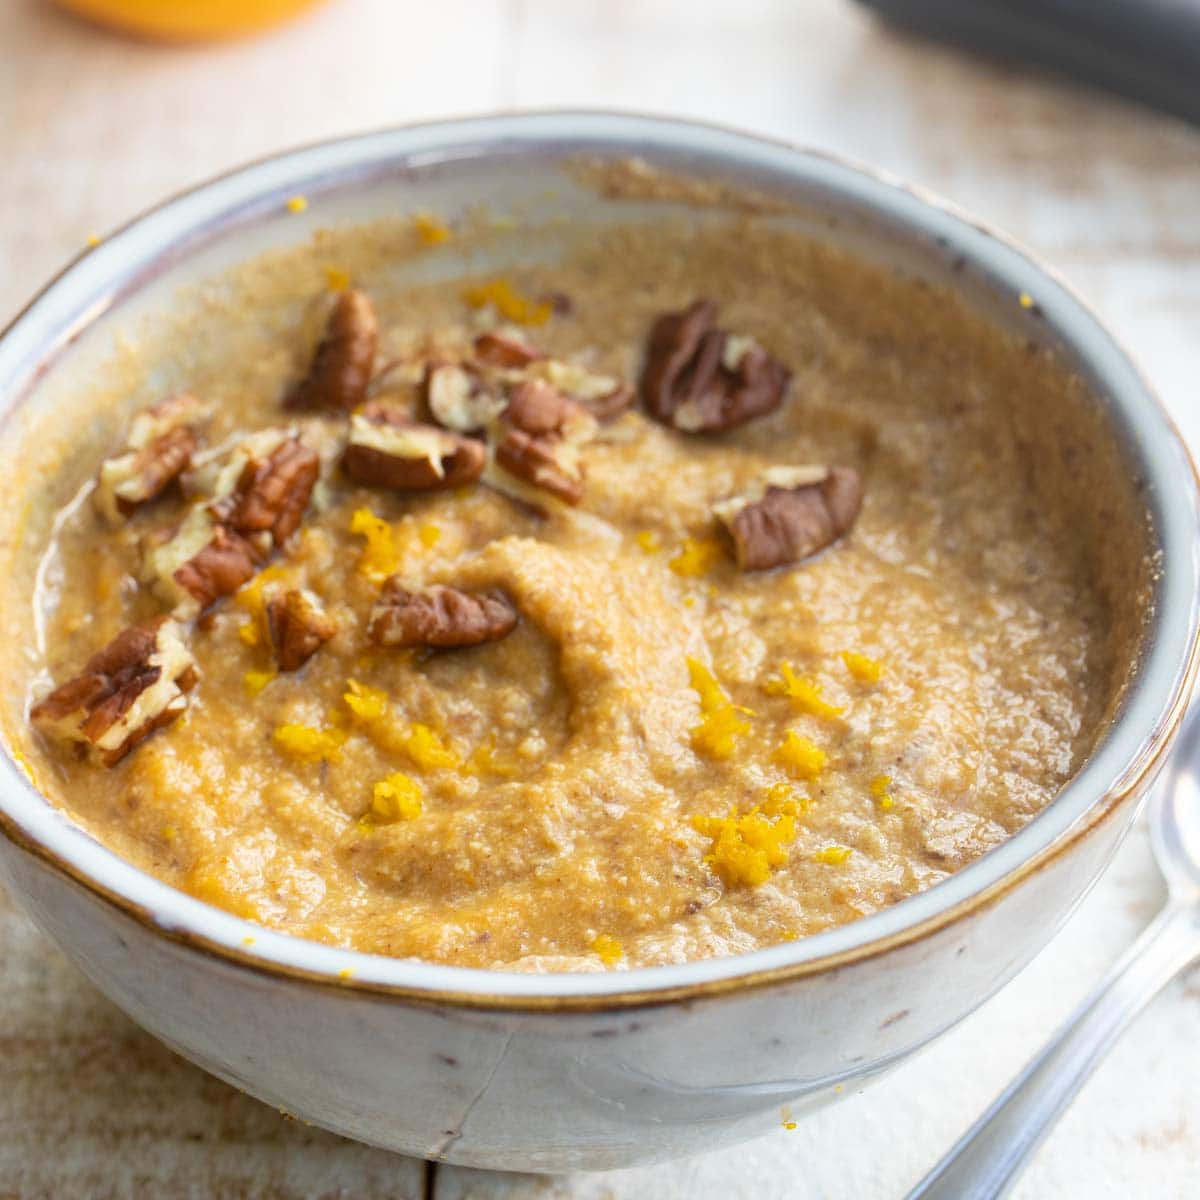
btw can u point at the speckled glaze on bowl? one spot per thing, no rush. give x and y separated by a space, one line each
556 1072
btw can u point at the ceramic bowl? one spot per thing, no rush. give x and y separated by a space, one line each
588 1071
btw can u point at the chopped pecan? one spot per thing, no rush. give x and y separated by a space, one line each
603 396
217 471
160 447
398 374
495 349
298 626
542 435
537 408
133 479
195 563
183 408
792 513
258 489
135 685
699 379
458 398
388 449
548 463
341 366
611 404
166 551
439 616
272 493
221 567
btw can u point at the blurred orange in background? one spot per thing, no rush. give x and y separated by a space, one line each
187 20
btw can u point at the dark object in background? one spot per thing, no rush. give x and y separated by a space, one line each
1147 50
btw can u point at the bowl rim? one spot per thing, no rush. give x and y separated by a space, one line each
88 286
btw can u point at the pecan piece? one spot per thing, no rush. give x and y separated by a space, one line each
298 626
458 399
225 562
195 563
543 433
542 462
792 513
272 493
341 366
604 396
439 616
218 471
135 685
504 350
612 404
537 408
258 490
160 447
699 379
388 449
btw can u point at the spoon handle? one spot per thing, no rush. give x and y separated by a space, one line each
986 1160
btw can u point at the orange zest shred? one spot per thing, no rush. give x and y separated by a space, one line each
484 761
307 744
879 789
804 693
251 599
864 669
380 557
780 801
430 230
396 798
746 847
801 755
649 541
430 535
608 949
426 748
509 303
833 856
720 723
365 703
297 204
696 557
336 279
254 680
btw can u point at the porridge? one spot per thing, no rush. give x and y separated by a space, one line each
703 590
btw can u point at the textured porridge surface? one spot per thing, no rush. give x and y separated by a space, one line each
560 831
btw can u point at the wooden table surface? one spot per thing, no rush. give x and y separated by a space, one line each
94 128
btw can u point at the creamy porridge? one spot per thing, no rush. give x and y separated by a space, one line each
702 591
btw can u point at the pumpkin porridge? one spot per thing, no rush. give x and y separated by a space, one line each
703 590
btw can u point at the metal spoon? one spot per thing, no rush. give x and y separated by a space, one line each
985 1162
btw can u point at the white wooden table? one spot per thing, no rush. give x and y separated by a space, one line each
94 128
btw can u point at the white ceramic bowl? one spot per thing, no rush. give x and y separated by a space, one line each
569 1071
